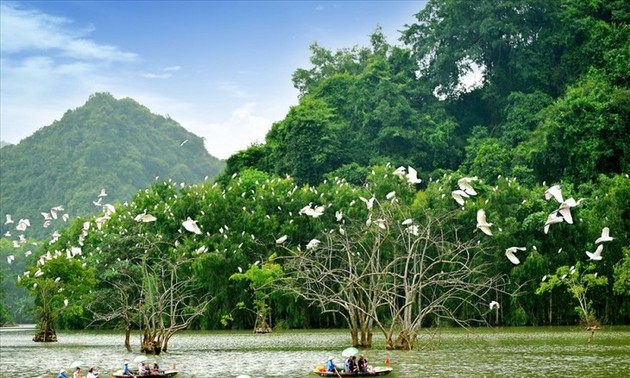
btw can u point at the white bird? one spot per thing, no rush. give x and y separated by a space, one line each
65 217
65 302
544 278
509 253
102 193
10 259
98 201
9 219
412 176
23 224
282 239
338 216
191 225
565 210
144 217
407 222
46 216
553 218
494 305
482 224
464 184
184 142
369 203
400 172
391 195
554 192
240 270
605 236
597 255
312 244
459 196
39 273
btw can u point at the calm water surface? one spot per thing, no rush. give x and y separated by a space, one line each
516 352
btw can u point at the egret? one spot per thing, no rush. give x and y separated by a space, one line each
565 210
494 305
282 239
191 225
144 217
464 184
338 216
553 218
554 192
605 236
390 195
10 259
9 219
509 253
459 196
102 193
412 176
407 222
400 172
482 224
65 302
312 244
597 255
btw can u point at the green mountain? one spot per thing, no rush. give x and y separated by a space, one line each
3 143
116 145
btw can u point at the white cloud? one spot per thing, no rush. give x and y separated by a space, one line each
245 126
26 30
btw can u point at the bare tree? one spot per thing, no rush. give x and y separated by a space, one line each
397 274
153 289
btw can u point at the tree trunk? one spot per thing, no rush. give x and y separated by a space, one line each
262 326
46 331
127 339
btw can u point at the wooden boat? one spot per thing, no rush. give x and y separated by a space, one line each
376 371
162 374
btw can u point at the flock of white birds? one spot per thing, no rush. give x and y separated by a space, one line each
464 191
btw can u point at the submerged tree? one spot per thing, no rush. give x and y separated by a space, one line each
578 280
396 272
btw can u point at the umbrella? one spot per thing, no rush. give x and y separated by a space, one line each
76 363
352 351
140 359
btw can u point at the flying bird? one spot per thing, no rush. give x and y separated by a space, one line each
565 210
9 219
554 192
509 253
459 196
597 255
464 184
412 176
605 236
191 225
494 305
553 218
144 217
102 193
482 224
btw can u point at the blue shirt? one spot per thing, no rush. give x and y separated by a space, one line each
62 375
330 366
126 369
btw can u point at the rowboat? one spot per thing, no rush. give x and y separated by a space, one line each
376 371
161 374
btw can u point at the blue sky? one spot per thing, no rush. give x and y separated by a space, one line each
222 69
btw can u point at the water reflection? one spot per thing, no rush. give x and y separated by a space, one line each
531 352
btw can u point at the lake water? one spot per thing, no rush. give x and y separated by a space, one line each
487 352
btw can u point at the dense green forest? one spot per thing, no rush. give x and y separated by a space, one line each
551 107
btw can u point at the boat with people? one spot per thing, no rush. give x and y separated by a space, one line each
134 374
376 371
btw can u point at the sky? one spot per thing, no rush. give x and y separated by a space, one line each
222 69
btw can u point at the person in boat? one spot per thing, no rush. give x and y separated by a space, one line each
142 370
92 373
155 369
351 365
126 368
362 364
62 374
77 372
330 365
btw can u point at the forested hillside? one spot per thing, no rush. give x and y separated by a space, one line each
116 145
518 214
